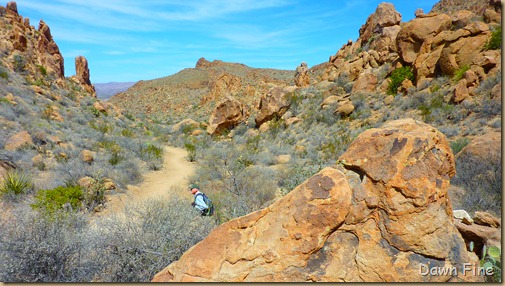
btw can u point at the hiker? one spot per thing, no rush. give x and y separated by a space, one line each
202 203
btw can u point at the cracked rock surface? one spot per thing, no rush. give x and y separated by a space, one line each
380 215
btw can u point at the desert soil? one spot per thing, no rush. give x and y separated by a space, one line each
171 180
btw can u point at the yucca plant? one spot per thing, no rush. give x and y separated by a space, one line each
14 183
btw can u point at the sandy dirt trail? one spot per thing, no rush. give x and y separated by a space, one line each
157 184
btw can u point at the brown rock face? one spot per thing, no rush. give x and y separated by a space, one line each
413 34
82 74
82 70
379 25
225 84
380 216
49 53
302 77
227 114
365 82
272 105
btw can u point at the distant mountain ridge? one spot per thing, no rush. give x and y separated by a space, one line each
105 90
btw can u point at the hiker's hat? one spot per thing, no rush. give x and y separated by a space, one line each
193 186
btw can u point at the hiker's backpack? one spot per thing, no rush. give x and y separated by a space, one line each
210 206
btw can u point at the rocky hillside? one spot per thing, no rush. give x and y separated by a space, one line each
52 128
478 7
196 90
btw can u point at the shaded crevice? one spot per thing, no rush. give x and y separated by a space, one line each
356 170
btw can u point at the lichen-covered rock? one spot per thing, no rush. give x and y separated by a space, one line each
379 216
302 77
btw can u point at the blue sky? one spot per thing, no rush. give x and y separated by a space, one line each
132 40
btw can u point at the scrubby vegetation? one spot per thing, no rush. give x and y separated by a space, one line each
398 76
69 247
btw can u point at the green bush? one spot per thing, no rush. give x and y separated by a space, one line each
42 70
4 75
460 72
495 41
150 151
14 183
191 149
459 144
60 198
398 76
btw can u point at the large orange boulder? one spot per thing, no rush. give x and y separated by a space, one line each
273 104
228 113
381 28
381 215
413 34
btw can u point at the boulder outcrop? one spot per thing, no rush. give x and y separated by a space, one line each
273 104
228 113
302 77
380 215
82 74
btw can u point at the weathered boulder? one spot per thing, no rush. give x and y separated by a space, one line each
18 140
381 28
486 219
365 82
460 92
87 156
344 108
273 104
302 77
485 147
379 216
413 34
228 113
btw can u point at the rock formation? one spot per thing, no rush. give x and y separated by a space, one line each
82 74
380 215
228 113
34 54
432 44
272 105
302 77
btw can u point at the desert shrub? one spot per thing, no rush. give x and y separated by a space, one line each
14 183
459 144
60 198
42 70
495 41
238 186
191 149
460 72
4 75
398 76
149 236
94 194
152 154
482 180
19 63
38 248
150 151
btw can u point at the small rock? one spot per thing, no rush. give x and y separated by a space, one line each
487 219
